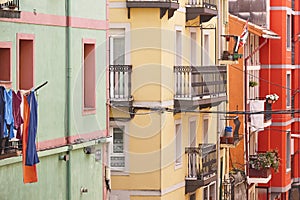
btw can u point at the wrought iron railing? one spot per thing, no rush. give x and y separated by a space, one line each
203 3
10 5
202 161
200 81
120 82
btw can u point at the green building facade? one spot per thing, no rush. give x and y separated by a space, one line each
62 43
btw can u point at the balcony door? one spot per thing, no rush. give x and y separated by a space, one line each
118 88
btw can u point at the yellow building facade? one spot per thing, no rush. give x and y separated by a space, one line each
167 99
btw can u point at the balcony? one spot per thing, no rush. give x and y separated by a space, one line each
164 5
120 85
205 9
9 9
230 56
202 86
202 166
260 166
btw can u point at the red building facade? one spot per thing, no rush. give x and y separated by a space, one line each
280 74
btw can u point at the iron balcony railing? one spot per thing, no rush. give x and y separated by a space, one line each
202 162
120 82
191 82
212 4
268 113
9 5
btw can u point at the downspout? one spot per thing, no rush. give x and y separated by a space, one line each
245 108
68 97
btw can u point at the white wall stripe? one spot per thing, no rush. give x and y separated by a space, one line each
154 104
281 189
283 66
282 123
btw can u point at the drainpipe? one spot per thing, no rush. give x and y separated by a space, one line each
245 105
68 96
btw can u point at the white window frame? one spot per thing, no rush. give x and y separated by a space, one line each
126 27
178 150
192 119
288 89
206 56
125 130
193 47
204 140
208 190
289 32
178 45
288 150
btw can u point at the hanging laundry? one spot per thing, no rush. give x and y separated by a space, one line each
8 115
2 105
31 153
29 172
18 121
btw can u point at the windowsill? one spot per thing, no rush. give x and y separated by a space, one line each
89 111
288 170
115 172
178 165
6 84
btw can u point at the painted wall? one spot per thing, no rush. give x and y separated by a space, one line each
47 22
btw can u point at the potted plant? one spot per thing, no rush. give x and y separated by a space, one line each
263 161
252 83
272 98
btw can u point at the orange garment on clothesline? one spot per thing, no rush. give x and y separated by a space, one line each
29 172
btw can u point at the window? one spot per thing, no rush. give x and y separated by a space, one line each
117 46
288 150
205 130
193 48
193 196
288 89
206 56
117 158
192 136
89 77
178 144
5 63
178 46
209 192
25 61
288 31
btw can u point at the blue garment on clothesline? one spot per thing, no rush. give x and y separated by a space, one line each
31 153
8 115
2 105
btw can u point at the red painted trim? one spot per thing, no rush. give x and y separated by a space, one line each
24 36
7 45
88 111
57 20
59 142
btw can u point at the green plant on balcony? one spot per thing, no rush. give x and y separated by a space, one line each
252 83
265 160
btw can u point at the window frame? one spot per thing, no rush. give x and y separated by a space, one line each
178 46
111 154
288 89
288 151
92 109
289 32
25 36
178 150
7 83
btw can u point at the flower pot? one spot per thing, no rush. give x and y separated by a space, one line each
261 173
